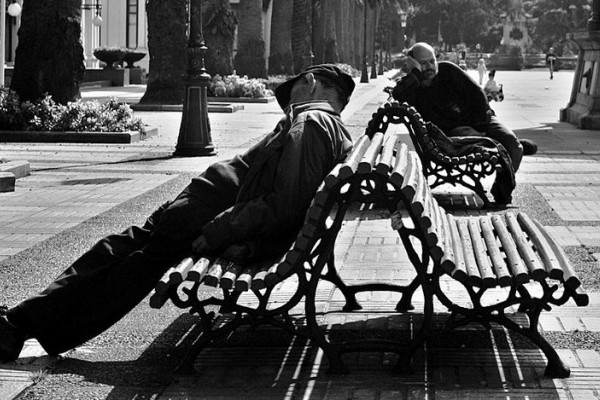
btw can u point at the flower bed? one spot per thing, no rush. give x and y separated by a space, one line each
49 116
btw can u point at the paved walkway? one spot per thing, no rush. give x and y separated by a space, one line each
79 192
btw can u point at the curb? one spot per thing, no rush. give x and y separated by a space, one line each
19 168
76 137
10 171
215 108
267 99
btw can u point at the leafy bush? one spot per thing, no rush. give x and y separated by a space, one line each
236 86
78 116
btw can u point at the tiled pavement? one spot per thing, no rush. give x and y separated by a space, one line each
476 364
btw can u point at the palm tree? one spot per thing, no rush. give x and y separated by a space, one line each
219 27
250 58
330 10
167 44
301 34
49 56
280 59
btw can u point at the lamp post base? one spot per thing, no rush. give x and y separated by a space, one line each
194 134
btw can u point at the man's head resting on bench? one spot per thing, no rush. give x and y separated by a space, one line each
317 82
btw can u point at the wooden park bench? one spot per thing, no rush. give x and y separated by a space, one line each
503 253
468 170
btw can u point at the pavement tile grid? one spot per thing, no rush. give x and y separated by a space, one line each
46 204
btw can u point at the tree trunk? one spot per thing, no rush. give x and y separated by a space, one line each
218 23
250 58
49 56
330 51
167 44
281 61
301 33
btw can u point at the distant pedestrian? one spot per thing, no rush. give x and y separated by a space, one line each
551 61
492 90
481 69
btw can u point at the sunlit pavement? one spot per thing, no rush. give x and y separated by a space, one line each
84 191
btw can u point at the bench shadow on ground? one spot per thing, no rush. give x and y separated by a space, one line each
266 362
271 363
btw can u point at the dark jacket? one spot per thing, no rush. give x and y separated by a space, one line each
452 100
268 189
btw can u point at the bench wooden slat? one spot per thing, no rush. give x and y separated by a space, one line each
314 212
542 247
488 278
474 276
367 162
216 271
535 267
460 269
518 270
437 249
175 275
228 279
570 278
282 267
413 179
321 196
503 275
244 280
448 262
387 155
351 164
333 177
399 172
199 270
258 280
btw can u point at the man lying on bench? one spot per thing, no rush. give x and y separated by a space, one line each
249 207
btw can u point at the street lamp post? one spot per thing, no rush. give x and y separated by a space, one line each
403 17
194 133
364 76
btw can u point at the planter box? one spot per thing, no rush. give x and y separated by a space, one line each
241 99
116 76
75 137
10 171
212 107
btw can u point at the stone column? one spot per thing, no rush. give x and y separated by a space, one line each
583 109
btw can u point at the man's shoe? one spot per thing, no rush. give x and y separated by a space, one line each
11 340
529 147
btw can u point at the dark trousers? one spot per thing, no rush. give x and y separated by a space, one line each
114 276
506 137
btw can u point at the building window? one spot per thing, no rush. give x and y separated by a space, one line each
132 24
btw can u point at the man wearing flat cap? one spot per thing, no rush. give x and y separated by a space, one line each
247 208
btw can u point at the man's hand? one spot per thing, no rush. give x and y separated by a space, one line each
411 63
200 245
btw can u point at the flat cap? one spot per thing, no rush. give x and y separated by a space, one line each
334 74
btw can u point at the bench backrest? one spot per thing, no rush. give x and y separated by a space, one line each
481 251
425 138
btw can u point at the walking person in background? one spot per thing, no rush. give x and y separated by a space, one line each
481 70
550 61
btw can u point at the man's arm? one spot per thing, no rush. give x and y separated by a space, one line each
405 88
